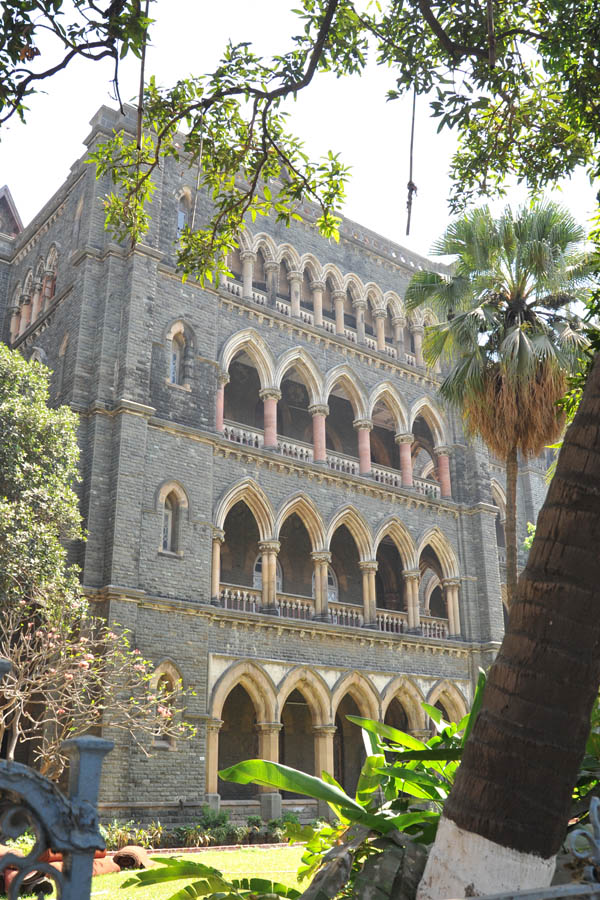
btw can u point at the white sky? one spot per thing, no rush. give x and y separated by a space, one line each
349 115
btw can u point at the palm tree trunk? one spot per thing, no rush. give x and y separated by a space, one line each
511 797
510 527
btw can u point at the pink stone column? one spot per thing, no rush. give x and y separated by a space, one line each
319 414
25 313
218 538
449 585
417 333
37 301
444 471
220 403
15 321
404 442
270 396
398 323
363 426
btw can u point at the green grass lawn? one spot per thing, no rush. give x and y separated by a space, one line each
278 864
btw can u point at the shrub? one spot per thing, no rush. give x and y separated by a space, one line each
118 834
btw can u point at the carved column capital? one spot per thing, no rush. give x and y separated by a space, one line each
367 424
338 295
317 285
223 379
270 393
218 535
368 565
214 725
319 409
269 546
247 255
442 451
295 275
321 556
379 313
406 438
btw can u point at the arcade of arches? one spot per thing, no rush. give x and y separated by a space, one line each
303 724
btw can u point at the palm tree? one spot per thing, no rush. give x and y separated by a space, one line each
508 333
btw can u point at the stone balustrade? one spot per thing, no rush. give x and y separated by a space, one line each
259 297
292 606
409 359
240 434
239 598
346 614
282 307
384 475
350 334
434 628
295 449
234 288
329 325
392 621
341 463
427 488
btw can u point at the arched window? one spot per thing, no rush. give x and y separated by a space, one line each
332 586
176 360
165 684
257 574
183 213
169 524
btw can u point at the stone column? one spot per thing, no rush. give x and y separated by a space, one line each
217 540
36 304
369 568
268 748
363 427
380 315
404 442
25 313
317 288
269 551
417 332
48 283
15 322
339 298
398 323
222 380
270 396
451 597
324 748
411 588
321 560
360 307
443 460
213 727
248 258
271 273
319 414
295 281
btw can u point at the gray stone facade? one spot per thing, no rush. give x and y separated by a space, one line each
108 327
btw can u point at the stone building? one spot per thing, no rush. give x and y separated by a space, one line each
278 506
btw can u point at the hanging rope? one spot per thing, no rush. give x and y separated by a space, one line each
412 188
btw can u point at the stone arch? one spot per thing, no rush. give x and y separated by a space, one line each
394 303
374 296
254 345
180 326
331 272
395 529
256 682
265 243
414 317
451 697
171 487
299 358
426 408
38 354
310 262
499 497
306 510
288 253
358 528
354 387
387 392
255 499
429 317
361 690
316 693
410 696
443 549
430 587
166 667
353 283
52 259
39 270
28 284
245 239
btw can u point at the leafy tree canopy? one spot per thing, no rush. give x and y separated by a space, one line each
519 81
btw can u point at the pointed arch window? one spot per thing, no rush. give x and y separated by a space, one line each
176 359
257 574
183 214
169 524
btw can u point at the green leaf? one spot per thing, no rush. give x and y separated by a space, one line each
387 731
476 705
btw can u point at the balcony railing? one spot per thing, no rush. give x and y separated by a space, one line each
427 488
240 598
241 434
435 628
341 463
346 614
384 475
295 449
292 606
391 620
409 359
